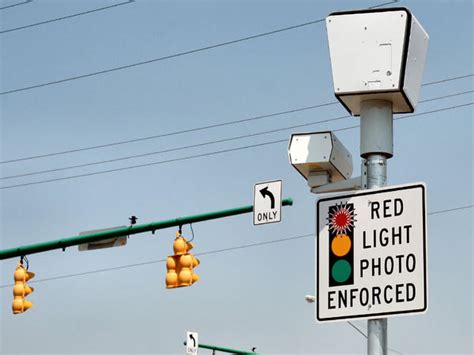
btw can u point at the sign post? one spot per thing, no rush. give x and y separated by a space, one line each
377 60
376 125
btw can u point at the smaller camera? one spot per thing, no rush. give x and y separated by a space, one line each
320 157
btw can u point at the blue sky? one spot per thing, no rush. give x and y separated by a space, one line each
246 297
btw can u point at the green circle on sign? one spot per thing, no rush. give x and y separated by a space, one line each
341 271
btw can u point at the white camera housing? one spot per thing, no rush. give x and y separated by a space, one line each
320 157
377 54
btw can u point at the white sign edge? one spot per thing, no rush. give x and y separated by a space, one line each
425 250
281 199
188 333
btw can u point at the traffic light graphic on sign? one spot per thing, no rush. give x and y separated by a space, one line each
341 244
21 289
180 266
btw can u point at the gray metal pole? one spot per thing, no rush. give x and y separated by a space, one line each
376 146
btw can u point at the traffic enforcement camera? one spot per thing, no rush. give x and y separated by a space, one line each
377 54
21 289
180 266
320 157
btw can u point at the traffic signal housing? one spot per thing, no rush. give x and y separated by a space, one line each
180 266
21 289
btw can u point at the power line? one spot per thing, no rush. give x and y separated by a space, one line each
451 209
365 336
210 153
385 3
171 56
217 251
168 134
163 260
445 80
173 149
205 143
254 118
357 328
63 18
14 5
404 117
143 165
447 96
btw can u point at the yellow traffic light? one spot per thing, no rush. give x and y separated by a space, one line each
180 265
21 289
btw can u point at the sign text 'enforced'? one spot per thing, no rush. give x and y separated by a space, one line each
267 202
371 254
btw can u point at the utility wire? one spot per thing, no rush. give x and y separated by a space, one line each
357 328
172 149
168 134
171 56
18 4
211 153
385 3
148 164
217 251
203 144
445 80
60 19
404 117
451 209
254 118
163 260
365 336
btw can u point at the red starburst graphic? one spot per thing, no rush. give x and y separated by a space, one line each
341 218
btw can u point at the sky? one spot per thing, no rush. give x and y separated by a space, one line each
114 301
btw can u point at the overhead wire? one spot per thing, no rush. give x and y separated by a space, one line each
65 18
201 128
357 328
365 335
143 165
211 153
196 129
416 114
445 80
171 56
216 251
17 4
206 143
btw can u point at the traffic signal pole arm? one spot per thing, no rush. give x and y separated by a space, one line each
125 231
225 350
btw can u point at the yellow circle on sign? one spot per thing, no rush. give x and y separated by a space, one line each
341 244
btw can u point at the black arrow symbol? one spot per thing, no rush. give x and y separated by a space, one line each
191 336
265 192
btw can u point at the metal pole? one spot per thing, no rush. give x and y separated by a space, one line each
376 146
127 231
224 349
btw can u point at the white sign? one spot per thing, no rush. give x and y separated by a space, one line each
102 244
371 254
267 202
191 343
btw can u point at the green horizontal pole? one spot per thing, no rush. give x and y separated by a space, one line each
124 231
225 350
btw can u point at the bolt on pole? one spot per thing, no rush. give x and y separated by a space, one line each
376 146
